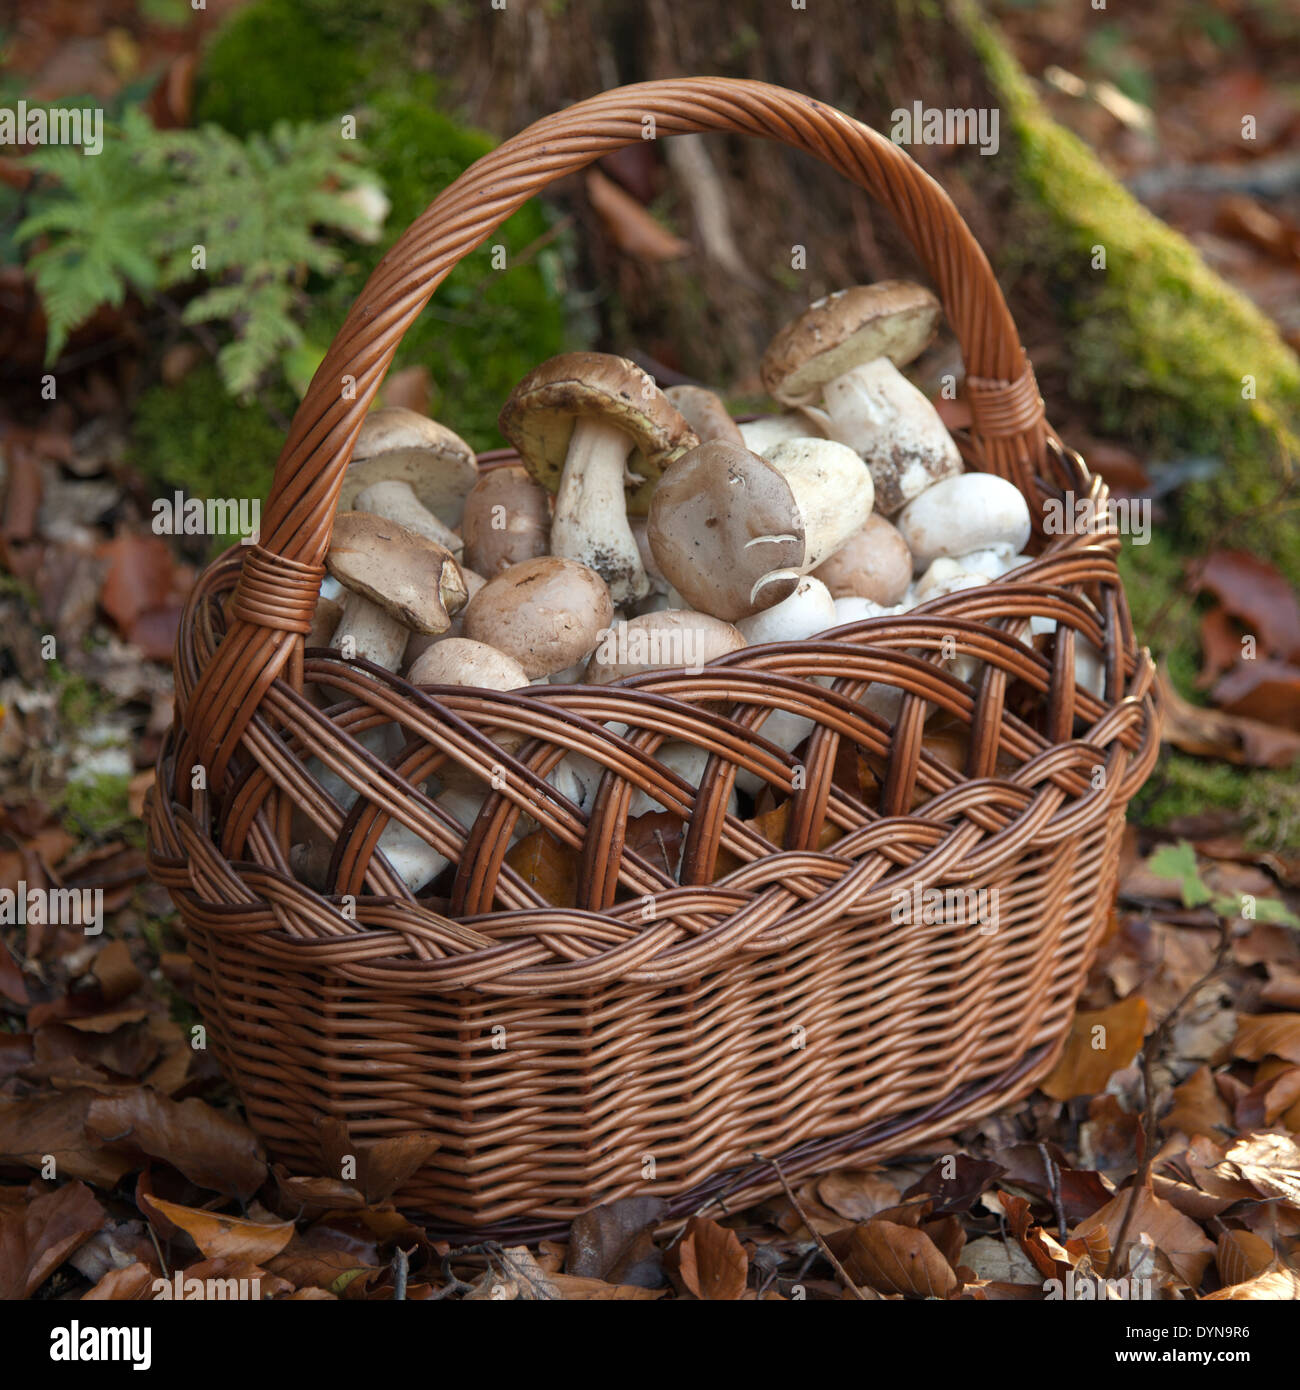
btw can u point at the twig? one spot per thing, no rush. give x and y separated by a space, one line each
153 1236
401 1268
816 1234
1151 1049
1054 1186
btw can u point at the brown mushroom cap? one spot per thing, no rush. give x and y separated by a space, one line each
875 564
662 641
722 519
461 661
893 318
525 511
547 613
412 578
704 411
538 418
396 444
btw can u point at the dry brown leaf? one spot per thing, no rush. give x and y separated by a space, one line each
1099 1044
382 1165
630 227
548 867
1265 1035
37 1237
36 1126
1270 1163
1242 1256
1275 1285
1198 1107
615 1243
211 1148
1212 733
1260 689
898 1259
1253 590
712 1262
856 1195
218 1235
132 1284
1174 1235
519 1279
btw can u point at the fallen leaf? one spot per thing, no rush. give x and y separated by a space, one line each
217 1235
1176 1236
712 1262
1261 689
1253 590
1242 1256
580 1289
1220 646
999 1261
898 1259
857 1196
548 867
1264 1035
36 1238
382 1165
1198 1107
629 226
211 1148
1099 1044
1270 1163
132 1284
1211 733
35 1126
138 577
615 1243
1275 1285
955 1191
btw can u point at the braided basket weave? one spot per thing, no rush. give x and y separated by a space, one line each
659 1036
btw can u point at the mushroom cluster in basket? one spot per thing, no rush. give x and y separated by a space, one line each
643 528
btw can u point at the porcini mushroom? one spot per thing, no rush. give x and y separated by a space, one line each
417 643
432 467
974 511
397 502
704 411
507 519
874 564
547 613
597 425
733 531
843 352
658 641
759 435
397 582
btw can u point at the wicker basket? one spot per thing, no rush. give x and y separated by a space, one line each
658 1035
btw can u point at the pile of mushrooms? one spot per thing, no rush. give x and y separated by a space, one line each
644 529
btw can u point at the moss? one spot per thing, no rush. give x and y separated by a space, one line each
275 61
1267 801
97 805
486 327
1160 344
80 702
1165 616
195 437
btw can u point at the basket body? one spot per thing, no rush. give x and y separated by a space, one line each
892 949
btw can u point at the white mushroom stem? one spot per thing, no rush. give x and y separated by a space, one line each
590 523
688 762
396 501
366 631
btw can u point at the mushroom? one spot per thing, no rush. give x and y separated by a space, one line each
462 661
396 581
507 519
733 531
432 466
547 613
397 502
659 641
688 762
601 425
705 413
844 351
874 564
810 609
417 643
759 435
974 511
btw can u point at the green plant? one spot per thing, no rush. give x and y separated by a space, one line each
1179 861
157 208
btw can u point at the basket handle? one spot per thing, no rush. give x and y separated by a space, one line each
273 602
